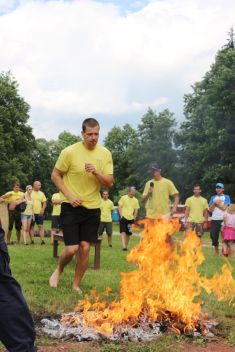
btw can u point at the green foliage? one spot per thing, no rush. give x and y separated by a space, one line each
16 138
206 139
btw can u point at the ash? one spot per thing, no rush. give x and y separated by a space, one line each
76 329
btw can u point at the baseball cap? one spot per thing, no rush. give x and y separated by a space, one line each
155 167
220 185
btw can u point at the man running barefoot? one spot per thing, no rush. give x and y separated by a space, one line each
80 171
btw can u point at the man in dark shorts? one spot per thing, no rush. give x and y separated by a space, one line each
14 216
128 210
106 224
39 206
16 324
79 172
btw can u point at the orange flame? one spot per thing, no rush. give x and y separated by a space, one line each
165 284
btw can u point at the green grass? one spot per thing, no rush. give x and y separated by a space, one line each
33 265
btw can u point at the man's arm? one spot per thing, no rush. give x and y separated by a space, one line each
175 204
187 209
57 179
105 180
44 205
135 214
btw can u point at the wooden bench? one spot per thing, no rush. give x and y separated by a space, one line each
59 237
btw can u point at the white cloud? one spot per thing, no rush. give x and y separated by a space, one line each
84 58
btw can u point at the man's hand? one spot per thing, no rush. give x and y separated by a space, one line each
90 168
41 212
74 201
173 210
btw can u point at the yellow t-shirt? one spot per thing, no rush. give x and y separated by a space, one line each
158 203
79 182
13 196
56 207
128 206
106 210
196 205
38 198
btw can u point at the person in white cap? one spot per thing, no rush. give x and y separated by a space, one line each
217 206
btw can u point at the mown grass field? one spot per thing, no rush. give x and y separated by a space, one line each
32 266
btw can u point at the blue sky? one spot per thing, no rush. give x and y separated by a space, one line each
108 59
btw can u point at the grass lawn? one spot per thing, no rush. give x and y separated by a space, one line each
32 266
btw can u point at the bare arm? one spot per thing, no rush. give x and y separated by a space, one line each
56 201
135 213
175 204
105 180
187 213
120 210
57 179
218 204
44 205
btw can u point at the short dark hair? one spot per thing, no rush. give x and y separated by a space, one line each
196 185
90 122
16 184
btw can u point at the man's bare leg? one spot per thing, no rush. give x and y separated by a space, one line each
8 236
65 258
18 236
125 240
41 232
110 240
81 264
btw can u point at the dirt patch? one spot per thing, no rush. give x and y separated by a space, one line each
218 346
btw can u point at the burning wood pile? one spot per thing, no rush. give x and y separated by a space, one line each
161 294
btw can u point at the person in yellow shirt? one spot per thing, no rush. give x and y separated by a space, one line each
157 193
106 217
39 206
14 216
55 216
128 210
196 213
80 171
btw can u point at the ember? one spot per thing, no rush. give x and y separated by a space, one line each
162 293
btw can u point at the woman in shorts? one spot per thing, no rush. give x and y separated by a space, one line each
27 215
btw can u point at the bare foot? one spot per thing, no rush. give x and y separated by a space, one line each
54 279
79 291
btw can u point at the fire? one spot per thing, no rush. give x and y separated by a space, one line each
164 287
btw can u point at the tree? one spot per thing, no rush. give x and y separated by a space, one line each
16 138
206 138
155 144
121 142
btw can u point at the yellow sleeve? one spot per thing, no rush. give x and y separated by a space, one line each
63 161
187 203
120 202
112 206
172 189
43 198
206 205
146 188
137 204
108 166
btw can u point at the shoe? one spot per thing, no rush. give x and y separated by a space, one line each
42 243
32 242
110 245
124 249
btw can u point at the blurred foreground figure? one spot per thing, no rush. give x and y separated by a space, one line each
16 324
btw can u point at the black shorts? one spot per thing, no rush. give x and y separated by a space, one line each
105 226
79 224
125 226
55 222
14 217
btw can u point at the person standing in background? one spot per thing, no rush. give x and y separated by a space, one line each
39 206
55 216
106 224
14 216
27 215
128 210
217 206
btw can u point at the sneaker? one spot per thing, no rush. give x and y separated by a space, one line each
110 245
32 242
124 249
42 243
